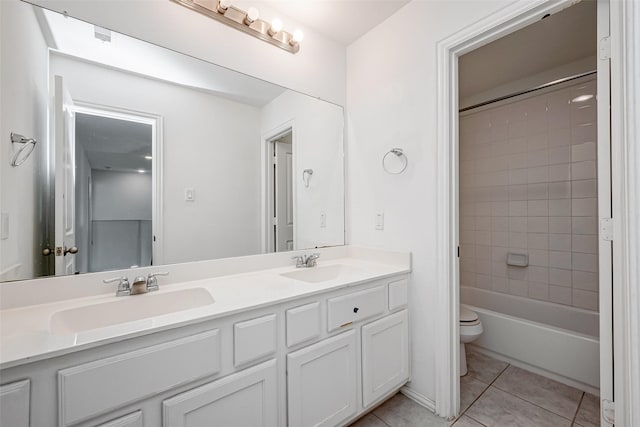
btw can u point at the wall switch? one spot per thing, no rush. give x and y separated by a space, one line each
4 225
189 195
323 220
380 221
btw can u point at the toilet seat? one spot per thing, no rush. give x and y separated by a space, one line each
468 317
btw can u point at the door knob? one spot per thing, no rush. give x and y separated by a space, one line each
47 251
71 250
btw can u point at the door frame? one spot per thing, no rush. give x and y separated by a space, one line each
266 154
157 171
447 345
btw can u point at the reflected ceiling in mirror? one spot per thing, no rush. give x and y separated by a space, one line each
146 156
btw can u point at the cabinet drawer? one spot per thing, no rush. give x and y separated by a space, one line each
357 306
303 323
398 294
104 385
131 420
14 404
254 339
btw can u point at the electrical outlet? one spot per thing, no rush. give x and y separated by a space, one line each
380 221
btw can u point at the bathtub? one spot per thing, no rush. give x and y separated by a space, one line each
557 341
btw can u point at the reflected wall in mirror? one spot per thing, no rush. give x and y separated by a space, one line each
146 156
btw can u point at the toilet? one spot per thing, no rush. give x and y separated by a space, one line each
470 330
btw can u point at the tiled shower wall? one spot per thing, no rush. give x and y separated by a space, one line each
528 185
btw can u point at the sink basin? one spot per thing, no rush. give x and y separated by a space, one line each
321 274
127 309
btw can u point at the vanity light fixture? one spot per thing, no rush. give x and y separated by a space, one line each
148 157
247 21
141 171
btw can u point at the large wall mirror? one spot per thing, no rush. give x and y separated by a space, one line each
144 156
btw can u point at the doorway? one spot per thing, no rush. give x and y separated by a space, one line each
450 188
281 192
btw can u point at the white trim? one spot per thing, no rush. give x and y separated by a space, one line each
625 137
420 399
157 172
266 154
497 25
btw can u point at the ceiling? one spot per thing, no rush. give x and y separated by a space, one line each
564 37
343 21
113 144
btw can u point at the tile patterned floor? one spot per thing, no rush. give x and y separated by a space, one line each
496 394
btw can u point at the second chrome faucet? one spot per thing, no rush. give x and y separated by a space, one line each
305 261
141 284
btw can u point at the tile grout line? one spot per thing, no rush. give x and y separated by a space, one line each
575 416
480 395
381 420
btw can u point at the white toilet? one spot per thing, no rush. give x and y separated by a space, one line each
470 330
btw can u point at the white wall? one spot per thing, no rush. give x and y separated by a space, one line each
391 102
318 69
210 144
121 196
23 88
317 145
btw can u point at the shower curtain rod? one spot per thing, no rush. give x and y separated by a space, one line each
543 86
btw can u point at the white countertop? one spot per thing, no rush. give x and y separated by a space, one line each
25 332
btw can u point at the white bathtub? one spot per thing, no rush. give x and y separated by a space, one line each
558 341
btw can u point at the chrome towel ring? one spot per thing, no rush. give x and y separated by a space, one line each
395 164
23 153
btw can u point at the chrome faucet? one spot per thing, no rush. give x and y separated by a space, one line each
141 284
306 261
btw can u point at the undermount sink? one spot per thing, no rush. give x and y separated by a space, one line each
127 309
321 274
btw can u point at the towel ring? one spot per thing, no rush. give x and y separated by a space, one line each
23 153
396 164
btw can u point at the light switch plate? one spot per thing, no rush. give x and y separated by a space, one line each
189 195
380 221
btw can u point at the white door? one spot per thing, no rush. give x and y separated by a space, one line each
322 382
385 356
604 213
65 184
283 174
248 398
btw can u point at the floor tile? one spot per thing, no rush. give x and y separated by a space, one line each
470 389
400 411
483 368
547 393
497 408
369 420
465 421
589 412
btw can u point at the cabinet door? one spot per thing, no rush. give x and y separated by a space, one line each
14 404
130 420
248 398
385 356
322 382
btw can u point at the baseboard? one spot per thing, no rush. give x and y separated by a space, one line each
536 370
419 398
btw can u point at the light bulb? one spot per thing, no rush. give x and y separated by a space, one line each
252 15
223 5
298 36
276 27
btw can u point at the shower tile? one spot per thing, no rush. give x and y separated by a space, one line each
500 238
538 207
559 155
560 295
559 259
518 208
497 408
560 190
483 253
518 192
559 137
583 170
499 269
481 367
538 241
539 141
585 188
538 158
584 133
584 207
544 392
537 174
483 223
585 280
468 264
538 191
500 208
585 262
500 223
483 237
539 258
470 389
560 207
500 284
517 176
467 278
559 225
517 273
538 274
589 412
483 267
538 224
519 287
585 244
499 254
560 242
518 224
518 161
518 240
585 299
584 225
483 281
560 172
539 291
583 152
560 277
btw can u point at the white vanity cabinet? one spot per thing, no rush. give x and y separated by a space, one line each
130 420
14 404
322 382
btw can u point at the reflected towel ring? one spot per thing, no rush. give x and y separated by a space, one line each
23 153
397 164
306 176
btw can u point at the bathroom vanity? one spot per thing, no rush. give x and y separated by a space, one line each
260 347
